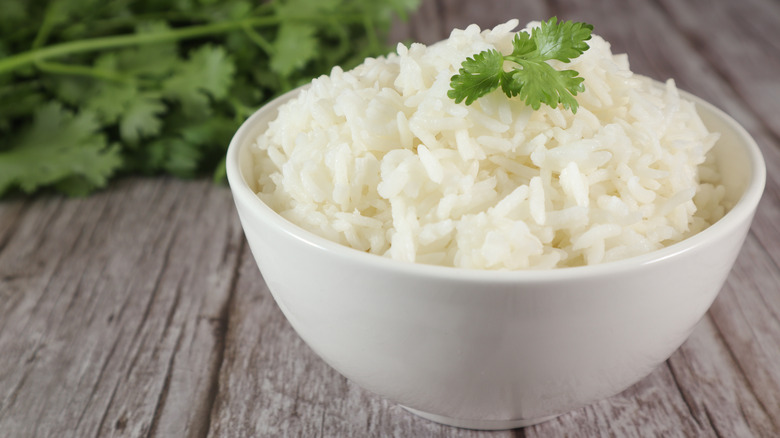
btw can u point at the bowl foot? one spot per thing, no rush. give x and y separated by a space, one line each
480 424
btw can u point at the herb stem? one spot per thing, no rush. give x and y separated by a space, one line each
37 55
258 39
93 44
372 39
81 70
46 26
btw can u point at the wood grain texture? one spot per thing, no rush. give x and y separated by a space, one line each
111 326
139 311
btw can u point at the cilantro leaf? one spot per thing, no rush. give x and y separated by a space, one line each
522 43
176 156
478 76
296 42
539 83
58 146
562 41
531 78
208 73
141 118
294 46
107 100
151 60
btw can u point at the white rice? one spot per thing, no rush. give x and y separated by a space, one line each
381 160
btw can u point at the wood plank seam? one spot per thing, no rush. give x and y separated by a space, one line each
10 228
221 339
107 407
686 397
743 374
166 382
99 379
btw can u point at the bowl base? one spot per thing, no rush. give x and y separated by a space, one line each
479 424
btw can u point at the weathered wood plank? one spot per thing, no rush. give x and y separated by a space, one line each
747 314
652 407
117 301
737 43
719 397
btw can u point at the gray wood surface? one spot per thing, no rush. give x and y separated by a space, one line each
139 311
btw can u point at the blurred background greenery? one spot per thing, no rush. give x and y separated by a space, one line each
94 89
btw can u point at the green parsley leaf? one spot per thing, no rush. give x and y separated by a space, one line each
531 78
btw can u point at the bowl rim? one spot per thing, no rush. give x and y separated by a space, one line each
742 211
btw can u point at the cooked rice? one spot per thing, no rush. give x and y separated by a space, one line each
381 160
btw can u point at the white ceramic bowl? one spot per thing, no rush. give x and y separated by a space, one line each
495 350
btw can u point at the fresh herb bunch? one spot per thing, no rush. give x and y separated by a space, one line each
531 78
94 88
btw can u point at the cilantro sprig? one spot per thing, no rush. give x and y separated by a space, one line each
531 77
93 89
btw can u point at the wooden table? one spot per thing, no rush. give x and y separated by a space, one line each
139 311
